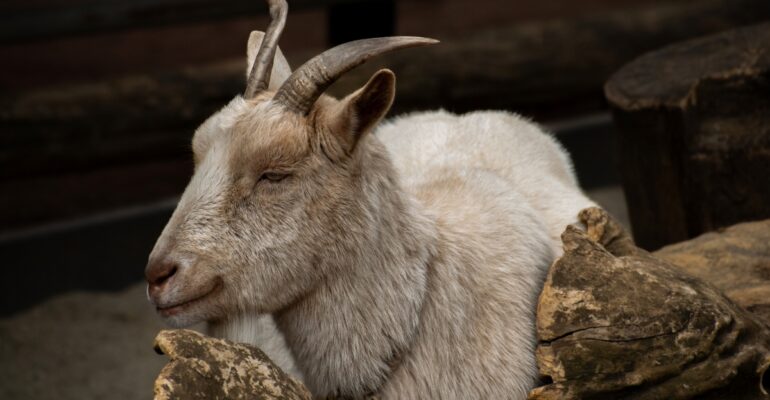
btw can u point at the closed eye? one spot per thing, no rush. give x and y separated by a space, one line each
273 176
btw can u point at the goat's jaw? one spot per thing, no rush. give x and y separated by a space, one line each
180 308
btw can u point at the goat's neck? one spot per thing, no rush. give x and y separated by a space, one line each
350 331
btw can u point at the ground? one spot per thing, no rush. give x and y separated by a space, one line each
90 345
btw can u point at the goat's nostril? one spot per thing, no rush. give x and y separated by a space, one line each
169 274
159 273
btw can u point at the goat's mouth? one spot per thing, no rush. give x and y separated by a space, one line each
170 310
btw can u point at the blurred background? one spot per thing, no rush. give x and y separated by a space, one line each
99 99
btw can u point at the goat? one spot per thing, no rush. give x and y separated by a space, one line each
400 259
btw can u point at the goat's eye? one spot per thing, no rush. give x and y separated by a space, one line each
273 176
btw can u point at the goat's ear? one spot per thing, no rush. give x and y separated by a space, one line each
359 112
281 68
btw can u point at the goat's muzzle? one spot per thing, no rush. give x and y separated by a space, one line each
160 271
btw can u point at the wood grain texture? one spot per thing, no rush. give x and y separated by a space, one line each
544 69
615 322
736 260
694 135
202 367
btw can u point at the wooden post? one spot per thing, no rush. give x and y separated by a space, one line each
694 135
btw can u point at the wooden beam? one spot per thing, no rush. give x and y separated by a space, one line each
544 69
547 68
40 200
110 15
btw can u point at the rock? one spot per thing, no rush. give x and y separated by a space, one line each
202 367
614 321
736 260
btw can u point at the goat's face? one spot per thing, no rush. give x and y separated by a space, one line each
275 181
243 210
270 187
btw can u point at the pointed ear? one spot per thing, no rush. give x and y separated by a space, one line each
281 69
359 112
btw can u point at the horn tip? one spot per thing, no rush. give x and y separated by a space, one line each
420 40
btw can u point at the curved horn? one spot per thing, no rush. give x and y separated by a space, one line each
308 82
259 78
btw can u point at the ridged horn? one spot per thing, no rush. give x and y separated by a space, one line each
308 82
259 78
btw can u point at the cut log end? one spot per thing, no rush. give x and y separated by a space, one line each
693 135
647 331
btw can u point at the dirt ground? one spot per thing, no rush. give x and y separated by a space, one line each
81 346
90 345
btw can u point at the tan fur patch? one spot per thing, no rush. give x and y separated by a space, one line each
268 141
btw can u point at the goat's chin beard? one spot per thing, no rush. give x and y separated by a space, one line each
196 312
182 320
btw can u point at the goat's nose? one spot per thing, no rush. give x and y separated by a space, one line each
160 270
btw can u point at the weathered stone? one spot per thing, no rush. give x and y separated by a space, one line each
616 322
735 260
202 367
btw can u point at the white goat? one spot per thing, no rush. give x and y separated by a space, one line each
402 260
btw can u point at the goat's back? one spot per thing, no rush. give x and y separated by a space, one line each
426 146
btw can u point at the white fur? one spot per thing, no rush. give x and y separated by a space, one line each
258 330
487 195
425 145
407 268
502 224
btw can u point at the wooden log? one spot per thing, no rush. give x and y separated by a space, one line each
206 368
615 322
736 260
40 200
130 120
526 67
541 68
69 152
547 68
694 135
42 22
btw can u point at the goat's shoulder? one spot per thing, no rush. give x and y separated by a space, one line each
480 214
491 258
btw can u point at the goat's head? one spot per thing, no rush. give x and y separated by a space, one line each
273 175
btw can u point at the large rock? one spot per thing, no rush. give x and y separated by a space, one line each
202 367
615 322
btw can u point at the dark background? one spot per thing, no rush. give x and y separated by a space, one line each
99 98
